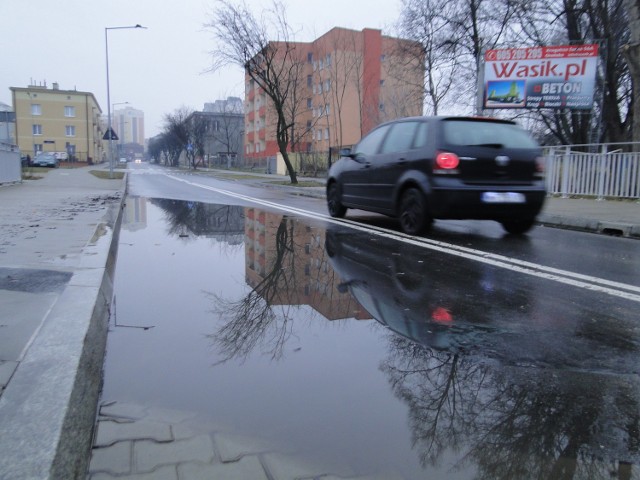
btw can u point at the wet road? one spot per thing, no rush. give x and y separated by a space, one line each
466 354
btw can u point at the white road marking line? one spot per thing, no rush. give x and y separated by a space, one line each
587 282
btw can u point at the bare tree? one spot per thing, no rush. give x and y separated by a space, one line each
227 132
588 21
177 133
275 66
423 21
632 55
197 128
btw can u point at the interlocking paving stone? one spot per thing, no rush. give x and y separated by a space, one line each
232 447
149 455
163 473
110 431
115 459
248 468
123 410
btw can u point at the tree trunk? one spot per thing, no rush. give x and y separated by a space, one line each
632 56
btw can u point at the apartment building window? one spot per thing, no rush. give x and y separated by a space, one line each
327 109
328 61
37 129
69 111
36 109
310 57
37 147
381 82
70 131
327 85
309 80
326 134
309 104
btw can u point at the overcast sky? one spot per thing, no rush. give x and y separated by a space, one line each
156 70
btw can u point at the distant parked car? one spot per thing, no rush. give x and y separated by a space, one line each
422 168
46 159
122 160
62 156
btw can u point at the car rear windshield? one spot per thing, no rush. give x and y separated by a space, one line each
483 133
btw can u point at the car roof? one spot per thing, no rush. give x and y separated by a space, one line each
440 118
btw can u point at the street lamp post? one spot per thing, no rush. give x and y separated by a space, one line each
109 129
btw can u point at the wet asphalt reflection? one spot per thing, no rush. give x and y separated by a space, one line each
367 356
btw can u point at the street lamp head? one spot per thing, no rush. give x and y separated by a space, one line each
137 25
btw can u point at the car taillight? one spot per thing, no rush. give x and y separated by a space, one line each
446 162
441 315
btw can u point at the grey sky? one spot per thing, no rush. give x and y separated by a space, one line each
156 70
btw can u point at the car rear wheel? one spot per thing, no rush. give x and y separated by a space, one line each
336 209
518 226
412 213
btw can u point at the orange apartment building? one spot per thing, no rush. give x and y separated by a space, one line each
351 82
297 271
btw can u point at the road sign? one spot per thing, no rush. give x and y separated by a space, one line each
110 135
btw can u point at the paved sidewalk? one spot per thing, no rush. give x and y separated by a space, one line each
134 442
609 217
58 239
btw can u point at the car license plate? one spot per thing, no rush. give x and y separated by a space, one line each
503 197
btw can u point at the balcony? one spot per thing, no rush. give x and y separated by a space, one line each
250 136
251 115
262 133
251 95
262 111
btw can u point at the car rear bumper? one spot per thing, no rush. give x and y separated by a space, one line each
467 202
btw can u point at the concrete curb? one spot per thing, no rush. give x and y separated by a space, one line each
589 225
48 410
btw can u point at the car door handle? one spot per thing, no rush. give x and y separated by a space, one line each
402 161
367 164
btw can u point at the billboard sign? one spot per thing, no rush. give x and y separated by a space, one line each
557 77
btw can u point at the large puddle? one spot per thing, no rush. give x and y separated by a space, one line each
364 356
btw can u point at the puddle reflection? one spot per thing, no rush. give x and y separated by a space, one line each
375 355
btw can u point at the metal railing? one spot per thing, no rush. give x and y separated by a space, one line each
611 171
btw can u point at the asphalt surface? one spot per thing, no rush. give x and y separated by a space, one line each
58 246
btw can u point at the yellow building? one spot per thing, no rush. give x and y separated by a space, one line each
55 120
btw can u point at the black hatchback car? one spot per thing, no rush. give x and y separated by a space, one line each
423 168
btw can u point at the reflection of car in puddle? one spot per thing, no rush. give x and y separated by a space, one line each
416 293
446 302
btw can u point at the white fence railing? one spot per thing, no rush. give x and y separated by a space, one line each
604 174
